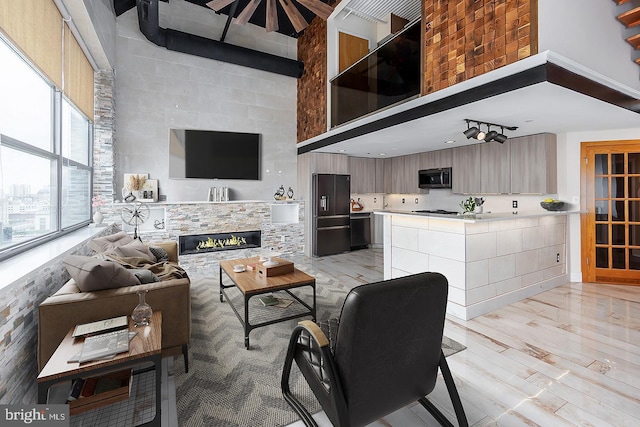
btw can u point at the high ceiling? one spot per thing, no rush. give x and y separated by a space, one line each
257 18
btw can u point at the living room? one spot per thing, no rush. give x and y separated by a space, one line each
145 90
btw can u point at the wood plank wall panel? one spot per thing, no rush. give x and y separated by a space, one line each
35 26
78 75
467 38
312 86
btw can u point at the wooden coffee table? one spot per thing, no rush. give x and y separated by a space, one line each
252 284
146 346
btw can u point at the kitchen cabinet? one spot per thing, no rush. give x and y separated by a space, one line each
466 170
495 167
534 164
388 175
404 174
436 159
367 175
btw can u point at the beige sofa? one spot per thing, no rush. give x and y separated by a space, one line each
69 307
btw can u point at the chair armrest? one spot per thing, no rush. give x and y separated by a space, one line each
315 331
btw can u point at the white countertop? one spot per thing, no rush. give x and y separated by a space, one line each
497 216
194 202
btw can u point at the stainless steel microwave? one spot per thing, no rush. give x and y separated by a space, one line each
434 178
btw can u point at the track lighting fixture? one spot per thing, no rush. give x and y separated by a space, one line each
491 135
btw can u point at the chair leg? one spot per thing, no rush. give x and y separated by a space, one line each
295 404
453 395
185 354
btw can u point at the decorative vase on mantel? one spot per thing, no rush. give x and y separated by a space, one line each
98 217
141 314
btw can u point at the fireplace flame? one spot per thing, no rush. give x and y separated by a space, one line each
221 243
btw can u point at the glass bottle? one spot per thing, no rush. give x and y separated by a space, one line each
141 314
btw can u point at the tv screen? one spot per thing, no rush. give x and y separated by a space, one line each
214 154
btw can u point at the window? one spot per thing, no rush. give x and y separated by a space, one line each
45 161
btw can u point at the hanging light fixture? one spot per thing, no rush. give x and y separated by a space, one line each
490 135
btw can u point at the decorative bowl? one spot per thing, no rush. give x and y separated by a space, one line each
552 206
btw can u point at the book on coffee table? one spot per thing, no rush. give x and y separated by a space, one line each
100 326
268 300
98 346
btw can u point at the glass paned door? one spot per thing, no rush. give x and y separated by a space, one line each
611 226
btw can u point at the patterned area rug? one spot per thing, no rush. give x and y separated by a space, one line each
228 385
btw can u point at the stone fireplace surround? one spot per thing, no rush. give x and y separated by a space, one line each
195 217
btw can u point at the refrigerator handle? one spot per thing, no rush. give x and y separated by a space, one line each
324 203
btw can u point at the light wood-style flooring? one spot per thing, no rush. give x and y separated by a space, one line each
566 357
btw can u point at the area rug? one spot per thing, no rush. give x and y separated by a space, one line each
228 385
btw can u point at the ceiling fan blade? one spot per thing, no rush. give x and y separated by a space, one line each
296 18
219 4
321 9
271 21
247 12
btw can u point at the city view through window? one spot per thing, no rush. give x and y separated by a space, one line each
45 171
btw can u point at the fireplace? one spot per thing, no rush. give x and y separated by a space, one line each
217 242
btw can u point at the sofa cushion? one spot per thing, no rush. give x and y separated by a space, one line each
133 249
144 276
106 243
91 274
160 253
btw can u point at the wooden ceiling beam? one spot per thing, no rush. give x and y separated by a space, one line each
219 4
321 9
247 12
271 20
296 18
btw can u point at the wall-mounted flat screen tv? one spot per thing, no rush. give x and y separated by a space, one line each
210 154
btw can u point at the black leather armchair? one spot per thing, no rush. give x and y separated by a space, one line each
386 353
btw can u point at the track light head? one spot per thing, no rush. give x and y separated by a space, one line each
472 132
491 135
500 138
480 136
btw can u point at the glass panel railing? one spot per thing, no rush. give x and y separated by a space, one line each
387 75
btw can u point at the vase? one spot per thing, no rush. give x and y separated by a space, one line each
141 314
98 217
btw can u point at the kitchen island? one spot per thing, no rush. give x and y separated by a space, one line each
490 260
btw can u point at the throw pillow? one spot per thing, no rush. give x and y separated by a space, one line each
92 274
160 254
135 249
106 243
144 276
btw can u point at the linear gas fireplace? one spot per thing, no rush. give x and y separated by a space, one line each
216 242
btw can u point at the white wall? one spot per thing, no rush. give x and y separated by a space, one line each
158 89
569 182
588 32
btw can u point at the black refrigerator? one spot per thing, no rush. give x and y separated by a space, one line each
331 197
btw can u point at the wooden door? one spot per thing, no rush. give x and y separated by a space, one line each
351 49
610 194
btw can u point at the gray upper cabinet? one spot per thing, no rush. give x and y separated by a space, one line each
367 175
495 168
534 164
362 175
404 174
466 170
436 159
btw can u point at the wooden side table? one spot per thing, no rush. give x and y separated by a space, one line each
146 346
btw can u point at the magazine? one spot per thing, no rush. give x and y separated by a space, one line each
99 346
105 325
